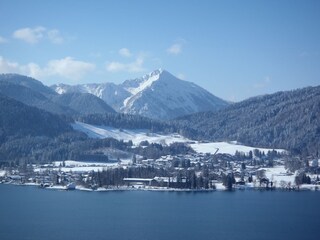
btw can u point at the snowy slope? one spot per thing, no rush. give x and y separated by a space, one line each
111 93
136 136
158 95
163 96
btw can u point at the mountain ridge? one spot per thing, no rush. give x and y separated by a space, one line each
158 95
20 120
286 119
33 93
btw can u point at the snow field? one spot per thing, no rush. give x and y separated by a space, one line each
77 166
138 135
225 147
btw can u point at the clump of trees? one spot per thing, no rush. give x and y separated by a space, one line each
155 150
187 179
302 178
293 163
228 180
128 121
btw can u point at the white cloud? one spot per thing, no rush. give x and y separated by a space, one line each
175 49
115 67
135 66
8 67
34 35
30 35
55 36
3 40
125 52
30 69
67 67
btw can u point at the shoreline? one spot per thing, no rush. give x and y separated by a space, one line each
303 188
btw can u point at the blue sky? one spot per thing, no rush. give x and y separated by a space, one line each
234 49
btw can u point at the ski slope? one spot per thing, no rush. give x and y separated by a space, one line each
139 135
136 135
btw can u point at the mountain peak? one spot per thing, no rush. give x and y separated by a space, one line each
158 71
158 94
136 85
154 74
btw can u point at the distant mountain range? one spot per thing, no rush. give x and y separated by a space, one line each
33 93
289 120
158 95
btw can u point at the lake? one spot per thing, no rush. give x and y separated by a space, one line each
38 214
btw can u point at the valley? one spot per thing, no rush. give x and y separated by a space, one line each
139 120
205 166
71 137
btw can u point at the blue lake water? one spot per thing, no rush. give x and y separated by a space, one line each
32 213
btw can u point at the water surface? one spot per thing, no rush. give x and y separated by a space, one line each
32 213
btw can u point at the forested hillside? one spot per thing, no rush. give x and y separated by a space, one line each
28 82
32 98
128 121
289 120
29 134
19 120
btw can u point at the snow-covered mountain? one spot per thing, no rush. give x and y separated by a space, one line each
158 95
111 93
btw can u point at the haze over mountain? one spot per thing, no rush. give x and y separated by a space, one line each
158 95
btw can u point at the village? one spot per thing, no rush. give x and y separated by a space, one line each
192 172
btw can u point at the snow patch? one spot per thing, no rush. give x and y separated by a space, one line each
147 82
2 173
278 174
77 166
228 148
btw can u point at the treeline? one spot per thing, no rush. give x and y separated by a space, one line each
43 149
127 121
257 154
155 150
77 146
113 177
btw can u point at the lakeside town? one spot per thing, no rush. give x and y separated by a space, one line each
190 172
